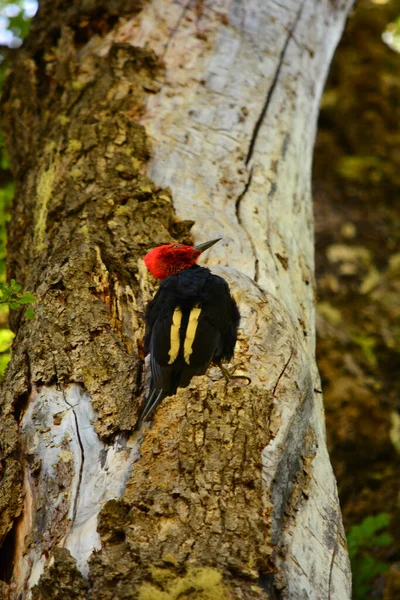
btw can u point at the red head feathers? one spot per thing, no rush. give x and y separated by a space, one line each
169 259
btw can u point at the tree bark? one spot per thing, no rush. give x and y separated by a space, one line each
127 123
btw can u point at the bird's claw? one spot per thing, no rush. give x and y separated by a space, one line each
228 376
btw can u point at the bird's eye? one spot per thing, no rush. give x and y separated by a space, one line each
177 246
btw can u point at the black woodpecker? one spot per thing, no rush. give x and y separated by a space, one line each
191 321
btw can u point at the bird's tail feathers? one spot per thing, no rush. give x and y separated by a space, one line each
150 404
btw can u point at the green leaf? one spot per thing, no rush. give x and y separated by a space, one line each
15 287
14 305
6 337
362 534
361 539
382 540
19 25
30 314
27 298
5 294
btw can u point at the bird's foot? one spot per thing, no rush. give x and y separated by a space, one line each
228 376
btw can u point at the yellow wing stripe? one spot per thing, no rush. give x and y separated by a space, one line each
174 335
191 333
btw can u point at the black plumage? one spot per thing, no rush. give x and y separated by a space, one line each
195 304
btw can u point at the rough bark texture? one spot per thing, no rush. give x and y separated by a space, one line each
126 122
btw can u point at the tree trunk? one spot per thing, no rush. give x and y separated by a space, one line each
126 124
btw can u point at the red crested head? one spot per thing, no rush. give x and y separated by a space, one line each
169 259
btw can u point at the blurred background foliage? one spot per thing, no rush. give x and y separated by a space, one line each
356 180
357 205
15 17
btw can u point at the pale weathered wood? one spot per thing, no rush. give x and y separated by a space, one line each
231 121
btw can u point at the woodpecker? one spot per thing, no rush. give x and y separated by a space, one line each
191 321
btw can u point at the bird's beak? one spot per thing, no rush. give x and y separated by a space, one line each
206 245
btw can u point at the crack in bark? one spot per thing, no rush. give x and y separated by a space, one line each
280 5
256 270
296 562
241 196
239 220
78 435
331 568
175 29
274 83
282 372
22 401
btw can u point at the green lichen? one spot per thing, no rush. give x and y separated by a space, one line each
198 584
64 120
147 189
77 85
49 147
165 197
135 163
43 193
74 146
170 559
84 231
76 174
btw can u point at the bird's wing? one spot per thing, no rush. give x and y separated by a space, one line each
202 339
160 386
159 306
160 373
223 313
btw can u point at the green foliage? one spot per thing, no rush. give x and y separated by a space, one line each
4 164
19 24
362 540
367 345
391 36
361 168
18 17
6 338
18 21
6 195
12 296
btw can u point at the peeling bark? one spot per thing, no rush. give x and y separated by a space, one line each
127 124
